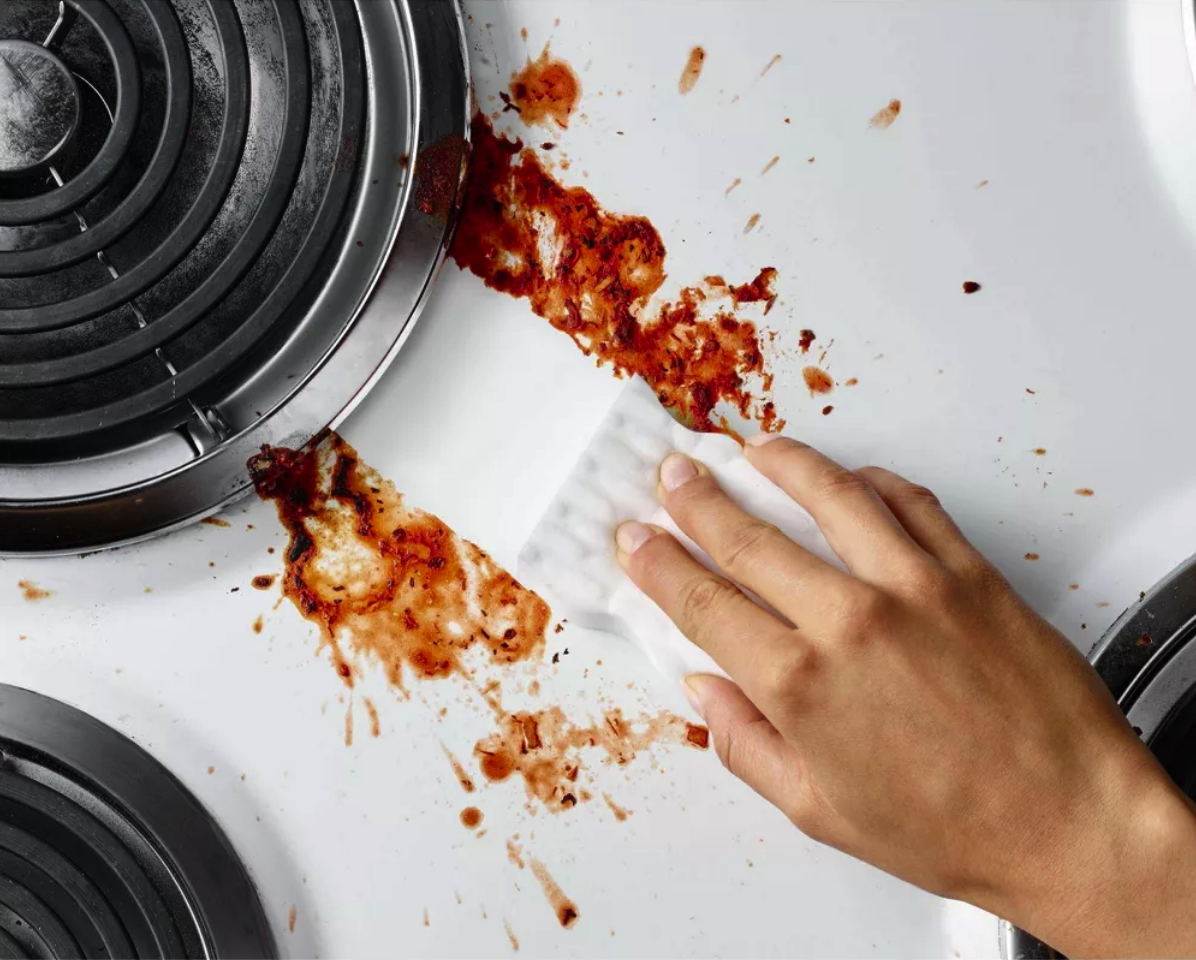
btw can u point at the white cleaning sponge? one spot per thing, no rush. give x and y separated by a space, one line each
570 556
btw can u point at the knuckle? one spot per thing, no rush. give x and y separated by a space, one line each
745 544
793 672
928 584
983 576
702 596
915 495
836 484
860 616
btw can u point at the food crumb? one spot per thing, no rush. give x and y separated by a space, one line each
970 286
692 71
883 118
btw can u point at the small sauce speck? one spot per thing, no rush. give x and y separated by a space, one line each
1085 492
692 71
263 581
970 286
31 591
1031 556
883 118
471 817
291 918
818 381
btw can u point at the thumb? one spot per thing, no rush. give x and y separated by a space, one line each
747 744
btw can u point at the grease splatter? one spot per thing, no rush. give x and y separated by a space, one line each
591 274
818 381
545 91
692 71
883 118
31 591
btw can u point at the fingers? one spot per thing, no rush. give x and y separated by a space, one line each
850 513
751 552
745 640
920 513
747 744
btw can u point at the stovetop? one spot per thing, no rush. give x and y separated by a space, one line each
197 200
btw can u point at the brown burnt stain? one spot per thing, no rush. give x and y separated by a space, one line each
258 625
692 71
462 777
439 170
263 581
291 918
970 286
1085 492
620 813
826 411
375 721
751 224
31 591
883 118
771 163
771 63
545 90
388 584
511 938
851 382
592 273
215 522
1031 556
544 748
565 909
805 340
471 817
818 381
734 183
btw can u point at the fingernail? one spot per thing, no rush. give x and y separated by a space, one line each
632 535
676 470
690 686
762 438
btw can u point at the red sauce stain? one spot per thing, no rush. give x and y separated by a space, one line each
375 722
385 583
970 286
620 813
294 915
883 118
818 381
258 624
692 71
215 522
1085 492
263 581
771 63
806 340
439 170
462 777
591 274
31 591
565 909
545 90
544 748
471 817
1031 556
511 938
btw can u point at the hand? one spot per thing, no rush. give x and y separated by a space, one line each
914 712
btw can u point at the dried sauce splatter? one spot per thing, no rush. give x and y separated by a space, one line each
545 90
771 163
620 813
565 909
1085 492
805 340
385 583
375 721
734 183
439 170
591 274
751 224
851 382
1040 451
294 915
31 591
827 410
771 63
464 778
263 581
215 522
818 381
258 625
970 286
471 817
511 938
544 748
1031 556
883 118
692 71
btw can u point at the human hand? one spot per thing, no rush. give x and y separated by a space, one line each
914 712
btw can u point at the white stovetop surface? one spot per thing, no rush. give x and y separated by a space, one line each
1081 117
